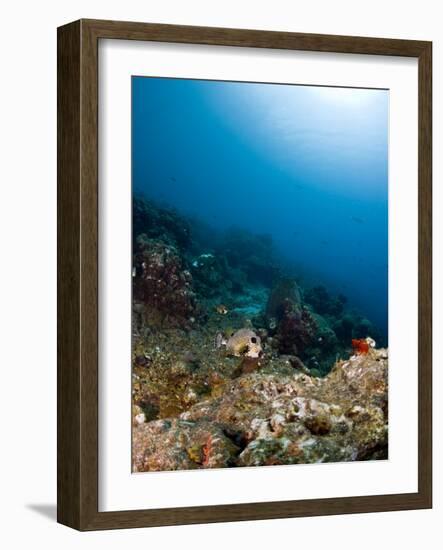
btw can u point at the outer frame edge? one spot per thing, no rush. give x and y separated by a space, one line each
77 184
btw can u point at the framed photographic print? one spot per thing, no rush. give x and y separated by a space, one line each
244 274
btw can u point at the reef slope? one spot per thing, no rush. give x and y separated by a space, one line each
237 362
270 417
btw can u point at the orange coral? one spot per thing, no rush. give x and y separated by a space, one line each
207 448
360 347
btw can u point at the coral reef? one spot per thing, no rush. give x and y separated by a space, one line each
297 329
181 445
252 254
163 289
209 274
284 299
156 222
263 419
323 303
237 363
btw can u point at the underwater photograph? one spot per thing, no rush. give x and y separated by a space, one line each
259 274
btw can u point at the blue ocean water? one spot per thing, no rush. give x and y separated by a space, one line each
306 164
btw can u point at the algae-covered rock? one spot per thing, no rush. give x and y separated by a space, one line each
284 299
163 288
181 445
265 418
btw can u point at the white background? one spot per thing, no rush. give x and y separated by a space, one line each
27 292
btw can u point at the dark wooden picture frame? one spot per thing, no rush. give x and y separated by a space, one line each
78 274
